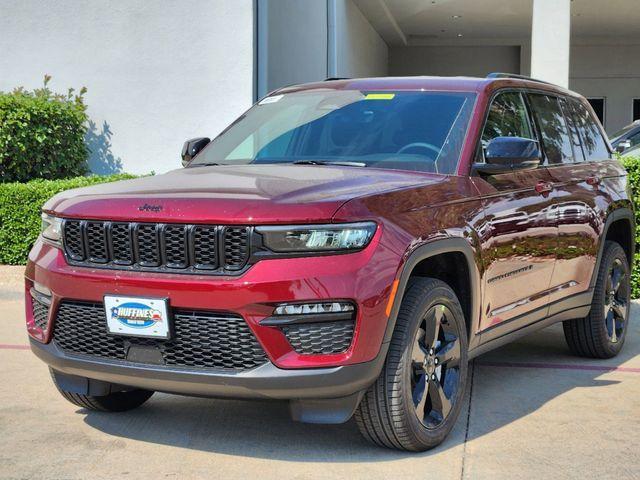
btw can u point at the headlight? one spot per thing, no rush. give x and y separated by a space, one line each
318 238
52 228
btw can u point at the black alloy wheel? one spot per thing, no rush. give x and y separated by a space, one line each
435 376
414 403
616 303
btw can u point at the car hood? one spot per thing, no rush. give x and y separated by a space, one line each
234 194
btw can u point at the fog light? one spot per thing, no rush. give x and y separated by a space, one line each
313 308
38 287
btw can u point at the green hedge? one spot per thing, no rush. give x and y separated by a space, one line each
20 205
42 135
632 164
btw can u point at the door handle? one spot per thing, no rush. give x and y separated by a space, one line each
543 187
593 180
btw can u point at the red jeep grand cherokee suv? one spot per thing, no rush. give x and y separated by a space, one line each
347 246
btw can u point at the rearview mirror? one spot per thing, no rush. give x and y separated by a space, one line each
192 147
623 145
508 154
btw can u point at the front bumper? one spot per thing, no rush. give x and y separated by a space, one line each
322 395
363 277
264 382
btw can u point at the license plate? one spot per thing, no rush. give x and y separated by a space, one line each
137 317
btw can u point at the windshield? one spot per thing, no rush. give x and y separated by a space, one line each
420 131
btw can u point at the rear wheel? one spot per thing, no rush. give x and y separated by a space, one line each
601 334
417 398
113 402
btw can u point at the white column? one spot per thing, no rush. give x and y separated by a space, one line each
550 32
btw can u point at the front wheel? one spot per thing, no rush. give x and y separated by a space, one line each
415 402
113 402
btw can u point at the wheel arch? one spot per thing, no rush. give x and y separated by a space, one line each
620 227
426 260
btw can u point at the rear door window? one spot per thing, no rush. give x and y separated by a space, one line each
593 143
553 129
573 130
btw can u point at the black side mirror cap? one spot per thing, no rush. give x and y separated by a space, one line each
192 147
508 154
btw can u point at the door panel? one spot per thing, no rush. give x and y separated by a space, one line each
581 210
519 233
518 245
583 199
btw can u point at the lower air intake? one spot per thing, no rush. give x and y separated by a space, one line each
200 339
320 338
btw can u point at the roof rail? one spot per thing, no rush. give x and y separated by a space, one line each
514 75
336 78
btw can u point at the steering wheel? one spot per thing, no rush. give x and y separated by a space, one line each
425 145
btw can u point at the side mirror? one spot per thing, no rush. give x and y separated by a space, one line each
192 147
508 154
623 145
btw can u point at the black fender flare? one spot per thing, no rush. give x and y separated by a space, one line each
617 214
431 249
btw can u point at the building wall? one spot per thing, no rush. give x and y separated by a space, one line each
610 71
475 61
356 49
157 72
292 43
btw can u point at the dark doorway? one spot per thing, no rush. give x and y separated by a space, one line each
598 106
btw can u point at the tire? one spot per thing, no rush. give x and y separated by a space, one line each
602 333
113 402
388 415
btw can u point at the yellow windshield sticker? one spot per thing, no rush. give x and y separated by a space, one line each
380 96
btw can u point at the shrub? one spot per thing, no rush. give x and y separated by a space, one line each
20 205
632 164
42 134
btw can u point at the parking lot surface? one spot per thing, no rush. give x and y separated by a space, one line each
534 411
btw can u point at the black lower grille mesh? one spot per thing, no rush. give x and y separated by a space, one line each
200 340
40 313
321 338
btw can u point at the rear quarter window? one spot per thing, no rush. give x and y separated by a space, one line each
594 145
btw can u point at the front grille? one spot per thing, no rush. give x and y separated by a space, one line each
200 339
40 313
157 247
320 338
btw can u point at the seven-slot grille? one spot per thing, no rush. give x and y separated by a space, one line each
200 339
157 246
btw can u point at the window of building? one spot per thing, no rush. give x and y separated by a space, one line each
593 144
636 109
553 128
598 105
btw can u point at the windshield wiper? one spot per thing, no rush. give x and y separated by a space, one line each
321 162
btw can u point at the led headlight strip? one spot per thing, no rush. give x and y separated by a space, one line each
317 238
